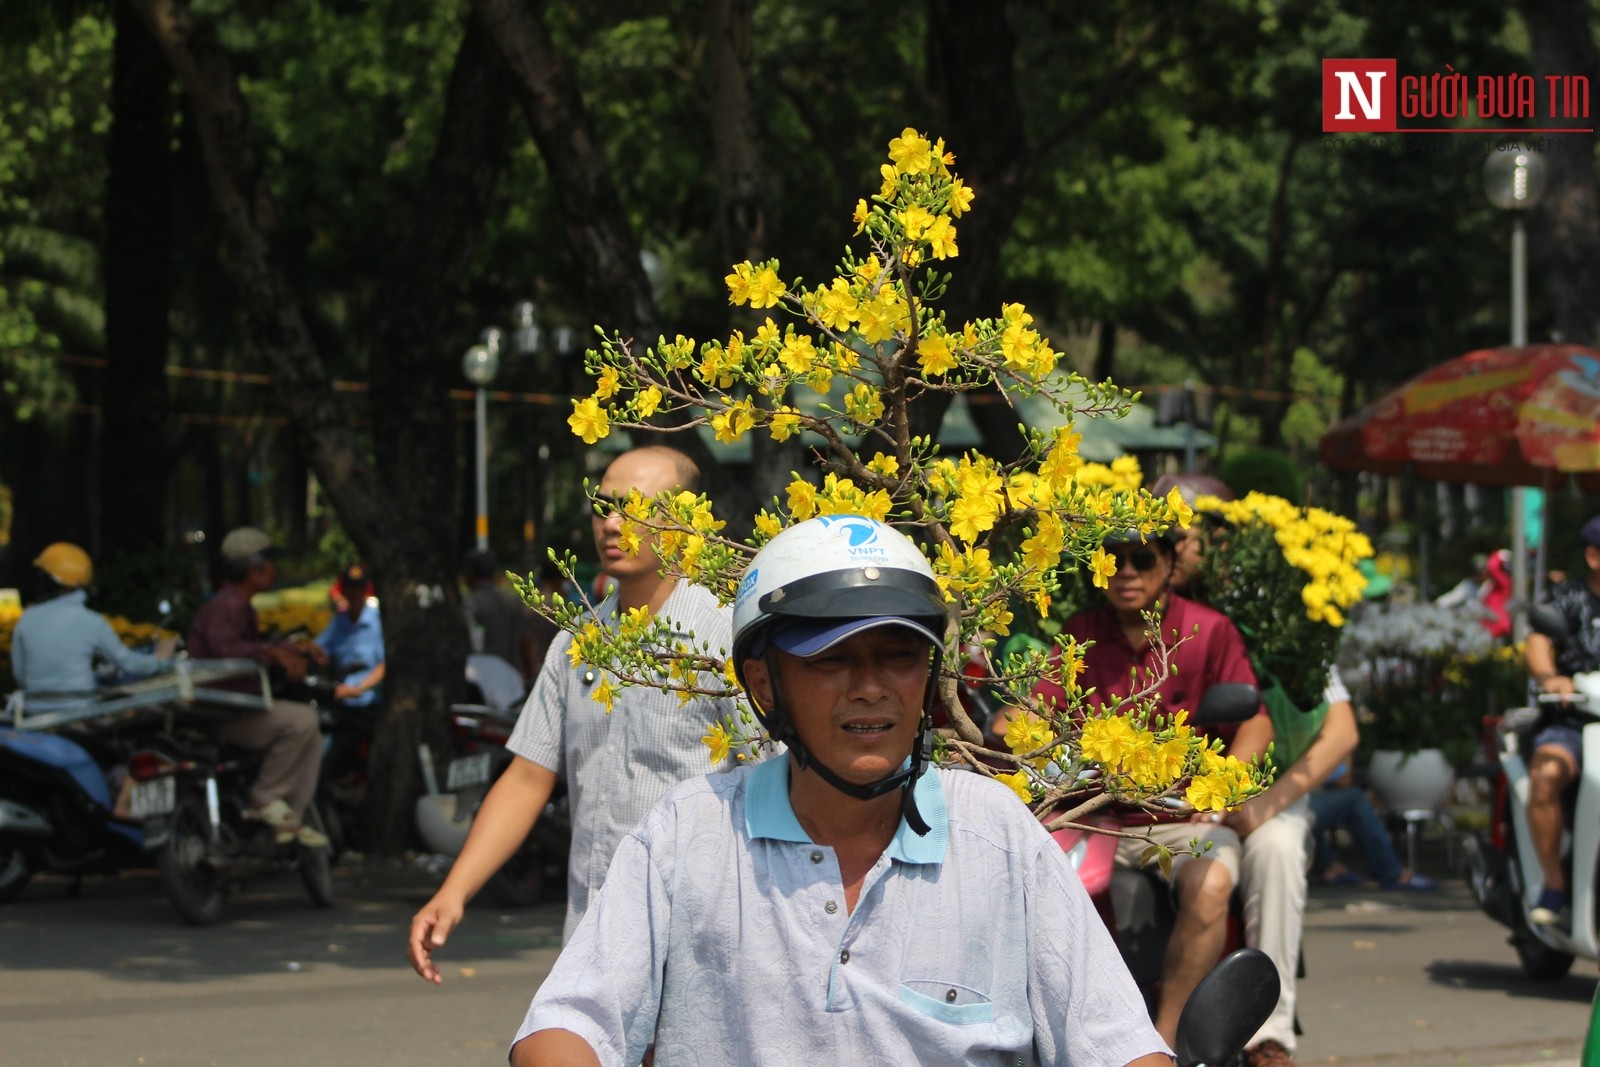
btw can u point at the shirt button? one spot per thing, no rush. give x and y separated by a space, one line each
830 907
844 957
816 857
950 995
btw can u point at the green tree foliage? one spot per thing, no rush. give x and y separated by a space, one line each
53 121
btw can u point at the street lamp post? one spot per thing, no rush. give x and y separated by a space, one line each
480 365
1514 180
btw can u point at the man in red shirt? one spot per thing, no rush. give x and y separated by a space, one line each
1203 649
287 733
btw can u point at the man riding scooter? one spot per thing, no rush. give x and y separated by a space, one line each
1557 747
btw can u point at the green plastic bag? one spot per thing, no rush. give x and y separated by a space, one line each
1293 727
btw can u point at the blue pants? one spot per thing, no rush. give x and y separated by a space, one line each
1349 807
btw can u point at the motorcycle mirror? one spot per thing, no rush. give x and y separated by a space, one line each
1226 1008
1547 619
1228 702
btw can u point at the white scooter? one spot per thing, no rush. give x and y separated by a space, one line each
1502 867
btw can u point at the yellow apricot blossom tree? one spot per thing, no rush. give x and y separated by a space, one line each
999 536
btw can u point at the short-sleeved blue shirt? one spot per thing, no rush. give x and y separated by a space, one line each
721 936
355 648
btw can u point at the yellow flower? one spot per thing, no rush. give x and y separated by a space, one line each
941 238
916 220
716 739
864 404
1028 733
648 401
1182 513
1209 792
739 284
891 181
1018 782
1102 566
785 423
765 288
960 198
589 420
934 355
860 216
798 353
836 308
734 422
1108 740
802 499
605 693
911 153
887 466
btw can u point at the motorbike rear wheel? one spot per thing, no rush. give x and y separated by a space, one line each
1540 962
14 872
520 883
195 888
316 864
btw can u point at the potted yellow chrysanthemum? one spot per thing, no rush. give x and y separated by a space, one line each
1285 575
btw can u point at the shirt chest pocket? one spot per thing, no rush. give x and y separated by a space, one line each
955 1004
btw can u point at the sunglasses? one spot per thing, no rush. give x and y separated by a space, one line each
1143 559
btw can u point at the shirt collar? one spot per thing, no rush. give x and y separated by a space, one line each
768 814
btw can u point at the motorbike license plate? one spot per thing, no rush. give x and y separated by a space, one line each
468 770
159 796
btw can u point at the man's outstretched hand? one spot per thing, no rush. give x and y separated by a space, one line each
429 929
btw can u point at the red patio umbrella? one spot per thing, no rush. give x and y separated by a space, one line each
1497 416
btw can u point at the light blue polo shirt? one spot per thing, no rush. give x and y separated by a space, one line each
56 645
721 936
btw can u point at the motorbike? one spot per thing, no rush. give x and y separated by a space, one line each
1226 1008
347 734
479 731
1501 866
193 792
1136 905
56 807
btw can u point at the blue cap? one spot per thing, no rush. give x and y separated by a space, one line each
808 637
1590 534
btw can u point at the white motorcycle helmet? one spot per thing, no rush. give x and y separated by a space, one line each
819 582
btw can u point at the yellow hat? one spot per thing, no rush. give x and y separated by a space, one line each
67 564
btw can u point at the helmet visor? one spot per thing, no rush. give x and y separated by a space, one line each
809 637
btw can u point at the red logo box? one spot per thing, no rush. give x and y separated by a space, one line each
1358 95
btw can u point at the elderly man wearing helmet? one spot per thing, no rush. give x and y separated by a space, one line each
846 902
58 640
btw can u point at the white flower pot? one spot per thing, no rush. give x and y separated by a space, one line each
1407 782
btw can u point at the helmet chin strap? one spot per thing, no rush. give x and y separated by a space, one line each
904 780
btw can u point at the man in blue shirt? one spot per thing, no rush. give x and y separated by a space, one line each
846 903
58 640
353 640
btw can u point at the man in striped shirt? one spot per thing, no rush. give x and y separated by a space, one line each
616 765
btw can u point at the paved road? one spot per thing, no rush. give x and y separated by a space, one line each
115 980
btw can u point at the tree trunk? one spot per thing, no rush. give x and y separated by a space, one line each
611 278
1567 224
134 464
398 505
971 54
741 219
